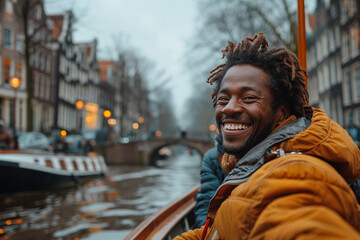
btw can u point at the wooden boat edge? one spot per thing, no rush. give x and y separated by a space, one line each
159 224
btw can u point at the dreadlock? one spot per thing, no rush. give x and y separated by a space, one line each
287 82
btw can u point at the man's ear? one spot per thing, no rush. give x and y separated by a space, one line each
282 113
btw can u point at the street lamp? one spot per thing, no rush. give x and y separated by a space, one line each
63 133
15 83
213 130
79 106
135 126
111 122
140 120
158 133
212 127
107 114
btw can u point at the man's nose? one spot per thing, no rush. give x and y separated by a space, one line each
233 106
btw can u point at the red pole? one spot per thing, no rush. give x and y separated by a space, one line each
302 36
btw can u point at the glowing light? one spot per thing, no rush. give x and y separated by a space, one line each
141 120
158 133
95 229
79 104
107 114
63 133
2 231
8 222
18 221
88 119
112 122
15 82
212 127
135 126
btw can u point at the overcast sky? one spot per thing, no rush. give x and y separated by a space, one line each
158 29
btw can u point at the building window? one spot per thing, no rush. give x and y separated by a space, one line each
18 70
355 38
109 73
20 43
30 27
47 61
36 85
352 7
6 69
333 11
7 36
348 87
345 10
350 118
9 8
357 80
48 87
37 13
345 45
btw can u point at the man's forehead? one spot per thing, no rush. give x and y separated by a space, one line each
247 75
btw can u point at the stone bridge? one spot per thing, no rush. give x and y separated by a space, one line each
146 152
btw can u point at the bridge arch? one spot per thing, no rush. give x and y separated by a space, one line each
153 153
142 152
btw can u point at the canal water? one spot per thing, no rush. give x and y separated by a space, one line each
106 208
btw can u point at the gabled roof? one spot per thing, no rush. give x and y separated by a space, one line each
103 66
58 21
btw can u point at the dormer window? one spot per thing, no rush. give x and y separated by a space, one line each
9 8
37 13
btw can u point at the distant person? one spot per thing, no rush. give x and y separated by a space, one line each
87 146
289 165
6 140
60 146
212 175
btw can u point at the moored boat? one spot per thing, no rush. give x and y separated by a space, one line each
27 171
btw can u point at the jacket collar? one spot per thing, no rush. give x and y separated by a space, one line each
254 159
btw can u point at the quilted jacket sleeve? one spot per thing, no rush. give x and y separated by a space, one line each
191 235
212 176
307 200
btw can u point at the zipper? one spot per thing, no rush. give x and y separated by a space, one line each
203 235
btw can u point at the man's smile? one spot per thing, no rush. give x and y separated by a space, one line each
235 126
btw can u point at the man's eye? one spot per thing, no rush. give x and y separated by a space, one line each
249 98
222 100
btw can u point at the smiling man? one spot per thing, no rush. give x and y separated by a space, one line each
243 109
289 166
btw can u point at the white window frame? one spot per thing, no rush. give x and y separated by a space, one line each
9 30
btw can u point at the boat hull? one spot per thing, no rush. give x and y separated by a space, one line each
30 171
16 179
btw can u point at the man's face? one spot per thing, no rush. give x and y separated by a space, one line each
243 111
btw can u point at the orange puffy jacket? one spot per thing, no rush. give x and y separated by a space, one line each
303 195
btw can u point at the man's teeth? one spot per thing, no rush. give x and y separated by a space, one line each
235 127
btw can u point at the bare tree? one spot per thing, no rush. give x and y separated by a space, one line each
23 12
139 77
220 21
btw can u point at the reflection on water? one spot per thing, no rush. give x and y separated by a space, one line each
106 208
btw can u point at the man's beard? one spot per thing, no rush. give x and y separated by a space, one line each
239 151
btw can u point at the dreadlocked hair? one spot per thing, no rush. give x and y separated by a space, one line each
287 82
